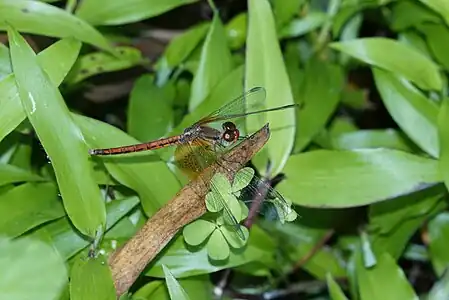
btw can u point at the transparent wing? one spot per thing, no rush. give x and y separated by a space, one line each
274 206
252 100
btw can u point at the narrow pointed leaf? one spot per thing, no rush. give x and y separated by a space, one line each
60 137
265 67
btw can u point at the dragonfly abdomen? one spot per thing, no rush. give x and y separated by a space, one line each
173 140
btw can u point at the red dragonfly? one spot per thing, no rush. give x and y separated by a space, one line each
202 144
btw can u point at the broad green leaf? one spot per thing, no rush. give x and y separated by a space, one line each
298 27
182 46
56 60
150 112
144 172
117 12
68 241
385 280
214 65
423 72
13 174
438 237
415 114
320 92
174 288
60 137
198 231
102 62
353 178
334 289
91 279
27 206
35 270
265 67
437 36
375 138
439 6
45 19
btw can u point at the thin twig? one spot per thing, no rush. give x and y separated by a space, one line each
129 261
314 250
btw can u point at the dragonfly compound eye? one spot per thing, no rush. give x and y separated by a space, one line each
228 126
231 135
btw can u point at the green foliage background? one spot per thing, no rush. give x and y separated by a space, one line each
372 201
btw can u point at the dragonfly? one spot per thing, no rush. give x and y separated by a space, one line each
204 143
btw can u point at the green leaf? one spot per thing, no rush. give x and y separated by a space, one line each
233 238
285 10
406 14
438 237
321 91
385 274
334 290
174 288
134 171
439 6
60 137
375 138
13 174
423 72
102 62
116 12
29 263
91 279
27 206
388 215
68 241
56 60
45 19
181 46
236 31
5 62
267 69
185 263
437 36
214 65
298 27
411 110
217 247
198 231
352 178
395 242
150 112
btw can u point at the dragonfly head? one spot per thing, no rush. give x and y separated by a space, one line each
230 132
